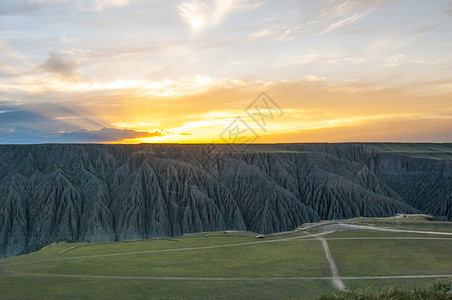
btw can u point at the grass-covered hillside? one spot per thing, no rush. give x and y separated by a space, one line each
237 265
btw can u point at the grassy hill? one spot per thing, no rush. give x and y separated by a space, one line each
236 265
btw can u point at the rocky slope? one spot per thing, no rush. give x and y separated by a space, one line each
104 193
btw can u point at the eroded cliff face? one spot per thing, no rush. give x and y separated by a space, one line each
104 193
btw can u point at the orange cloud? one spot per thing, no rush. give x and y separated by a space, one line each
314 110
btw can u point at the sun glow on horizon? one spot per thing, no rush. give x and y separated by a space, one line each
184 72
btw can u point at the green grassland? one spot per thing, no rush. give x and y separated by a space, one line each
61 288
385 284
236 265
415 222
418 150
392 257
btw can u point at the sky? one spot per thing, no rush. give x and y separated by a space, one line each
231 71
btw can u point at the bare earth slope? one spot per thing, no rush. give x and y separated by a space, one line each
105 193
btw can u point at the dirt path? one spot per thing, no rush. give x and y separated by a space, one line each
337 282
307 237
71 248
170 250
335 279
227 278
397 277
387 238
366 227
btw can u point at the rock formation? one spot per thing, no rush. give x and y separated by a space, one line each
104 193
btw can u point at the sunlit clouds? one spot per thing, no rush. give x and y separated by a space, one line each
183 71
165 87
202 14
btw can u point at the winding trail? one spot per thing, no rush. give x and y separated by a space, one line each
388 238
227 278
373 228
305 238
335 279
308 237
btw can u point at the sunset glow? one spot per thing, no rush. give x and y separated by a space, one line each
184 71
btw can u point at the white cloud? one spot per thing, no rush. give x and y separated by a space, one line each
11 61
90 5
201 14
342 13
282 33
65 39
100 5
60 76
339 8
394 60
343 22
48 1
321 16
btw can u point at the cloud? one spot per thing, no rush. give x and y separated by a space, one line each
65 70
311 103
64 39
391 129
23 135
342 13
343 22
321 17
447 8
339 8
59 64
429 28
201 14
18 7
13 117
89 5
100 5
11 61
278 32
104 134
46 116
394 60
21 125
